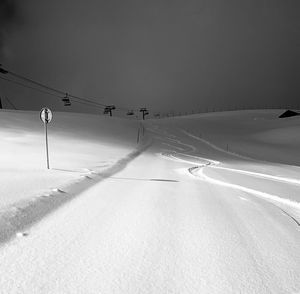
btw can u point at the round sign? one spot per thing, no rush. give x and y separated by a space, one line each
45 115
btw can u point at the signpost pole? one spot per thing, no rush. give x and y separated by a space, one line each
46 117
47 152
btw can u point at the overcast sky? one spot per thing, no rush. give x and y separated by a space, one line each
166 55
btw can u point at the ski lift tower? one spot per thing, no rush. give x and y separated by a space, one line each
144 111
108 109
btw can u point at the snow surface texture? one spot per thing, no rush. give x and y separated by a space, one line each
77 143
203 204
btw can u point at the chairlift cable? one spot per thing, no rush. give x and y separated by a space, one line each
57 91
51 94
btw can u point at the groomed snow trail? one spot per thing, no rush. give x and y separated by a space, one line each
154 229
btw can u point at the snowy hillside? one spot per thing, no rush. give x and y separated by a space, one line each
202 204
254 133
77 143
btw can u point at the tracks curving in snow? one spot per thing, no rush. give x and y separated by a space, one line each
215 147
202 163
261 175
199 172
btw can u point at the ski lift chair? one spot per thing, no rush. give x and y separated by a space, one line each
66 100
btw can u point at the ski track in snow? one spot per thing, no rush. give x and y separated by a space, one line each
201 164
215 147
165 237
199 171
261 175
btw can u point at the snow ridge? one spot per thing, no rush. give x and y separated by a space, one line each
23 214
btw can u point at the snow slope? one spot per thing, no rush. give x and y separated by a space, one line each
77 143
254 133
182 215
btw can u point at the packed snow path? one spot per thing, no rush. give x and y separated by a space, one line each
164 224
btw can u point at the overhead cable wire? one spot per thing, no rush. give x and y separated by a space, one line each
87 100
34 82
57 91
29 87
88 103
51 88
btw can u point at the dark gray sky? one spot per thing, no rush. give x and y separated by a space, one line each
166 55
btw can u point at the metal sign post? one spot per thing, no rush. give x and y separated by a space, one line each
46 117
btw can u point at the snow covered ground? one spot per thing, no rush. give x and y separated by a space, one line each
77 143
203 204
